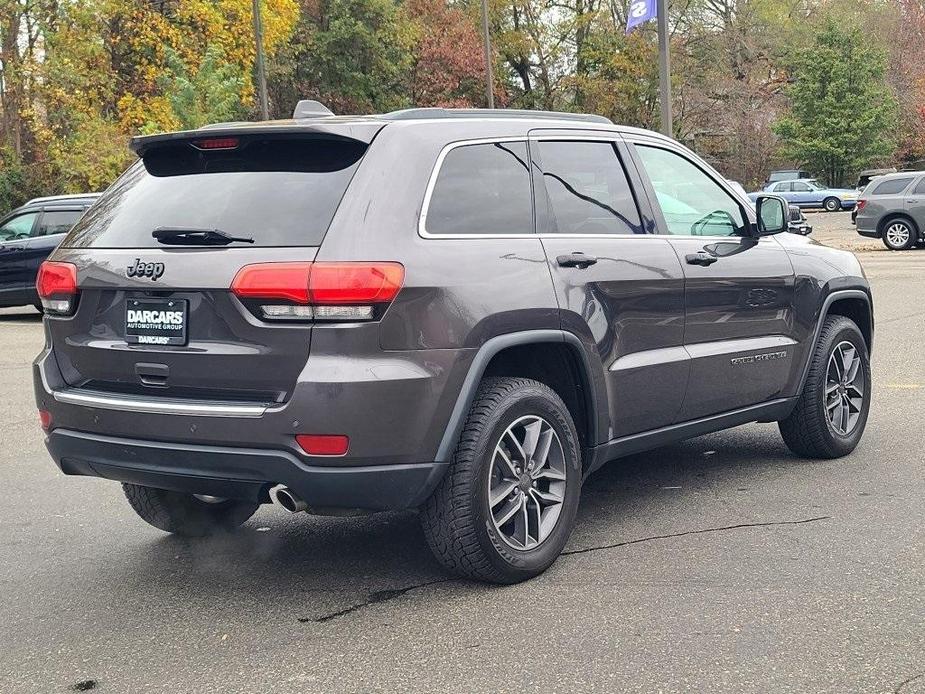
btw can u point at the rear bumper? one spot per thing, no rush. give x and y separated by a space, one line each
241 473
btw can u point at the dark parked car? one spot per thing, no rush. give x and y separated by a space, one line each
892 208
866 176
798 223
27 235
786 175
464 312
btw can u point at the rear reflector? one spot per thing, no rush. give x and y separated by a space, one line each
45 419
321 291
318 444
57 287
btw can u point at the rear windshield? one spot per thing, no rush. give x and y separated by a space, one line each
279 192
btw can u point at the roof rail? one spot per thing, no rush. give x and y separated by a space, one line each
419 113
56 198
309 108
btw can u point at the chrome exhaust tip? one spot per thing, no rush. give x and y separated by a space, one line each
288 499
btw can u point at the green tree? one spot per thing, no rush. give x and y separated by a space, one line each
352 55
842 114
210 94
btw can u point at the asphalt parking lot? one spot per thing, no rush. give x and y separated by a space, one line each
720 564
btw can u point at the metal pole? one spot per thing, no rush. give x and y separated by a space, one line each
261 68
664 68
486 46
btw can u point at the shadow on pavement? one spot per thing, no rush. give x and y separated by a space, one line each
31 316
312 569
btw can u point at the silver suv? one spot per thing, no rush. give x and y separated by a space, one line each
892 208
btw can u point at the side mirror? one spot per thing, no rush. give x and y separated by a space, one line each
773 214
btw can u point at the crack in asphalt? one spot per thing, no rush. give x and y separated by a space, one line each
702 531
381 596
373 599
908 680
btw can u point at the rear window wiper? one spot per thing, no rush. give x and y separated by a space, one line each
196 237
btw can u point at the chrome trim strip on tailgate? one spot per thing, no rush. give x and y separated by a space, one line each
127 403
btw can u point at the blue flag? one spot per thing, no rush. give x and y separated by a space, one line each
640 11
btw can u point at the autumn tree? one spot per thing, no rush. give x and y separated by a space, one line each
445 66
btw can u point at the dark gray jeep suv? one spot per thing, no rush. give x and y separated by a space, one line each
464 312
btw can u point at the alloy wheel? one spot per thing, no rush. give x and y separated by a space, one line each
897 234
526 483
844 388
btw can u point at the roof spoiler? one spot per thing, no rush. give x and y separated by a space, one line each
309 108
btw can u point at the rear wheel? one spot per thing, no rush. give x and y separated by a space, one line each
898 235
829 418
507 505
187 514
832 204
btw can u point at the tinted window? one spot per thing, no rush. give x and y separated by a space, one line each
278 192
18 227
482 189
891 187
58 222
588 189
692 203
920 188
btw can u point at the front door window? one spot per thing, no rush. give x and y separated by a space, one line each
692 203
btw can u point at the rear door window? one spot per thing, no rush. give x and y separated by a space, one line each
920 188
588 189
279 192
57 222
891 187
482 189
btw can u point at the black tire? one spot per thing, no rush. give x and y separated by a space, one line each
808 432
831 204
899 234
39 308
184 514
456 519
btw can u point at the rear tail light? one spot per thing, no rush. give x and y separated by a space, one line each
861 203
45 419
57 287
319 291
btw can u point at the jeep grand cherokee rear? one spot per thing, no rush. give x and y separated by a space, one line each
461 312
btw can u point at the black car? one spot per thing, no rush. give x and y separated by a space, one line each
462 312
27 235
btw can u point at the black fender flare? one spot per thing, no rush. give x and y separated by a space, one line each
830 299
480 362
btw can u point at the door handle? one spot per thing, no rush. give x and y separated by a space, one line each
911 202
700 258
576 259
